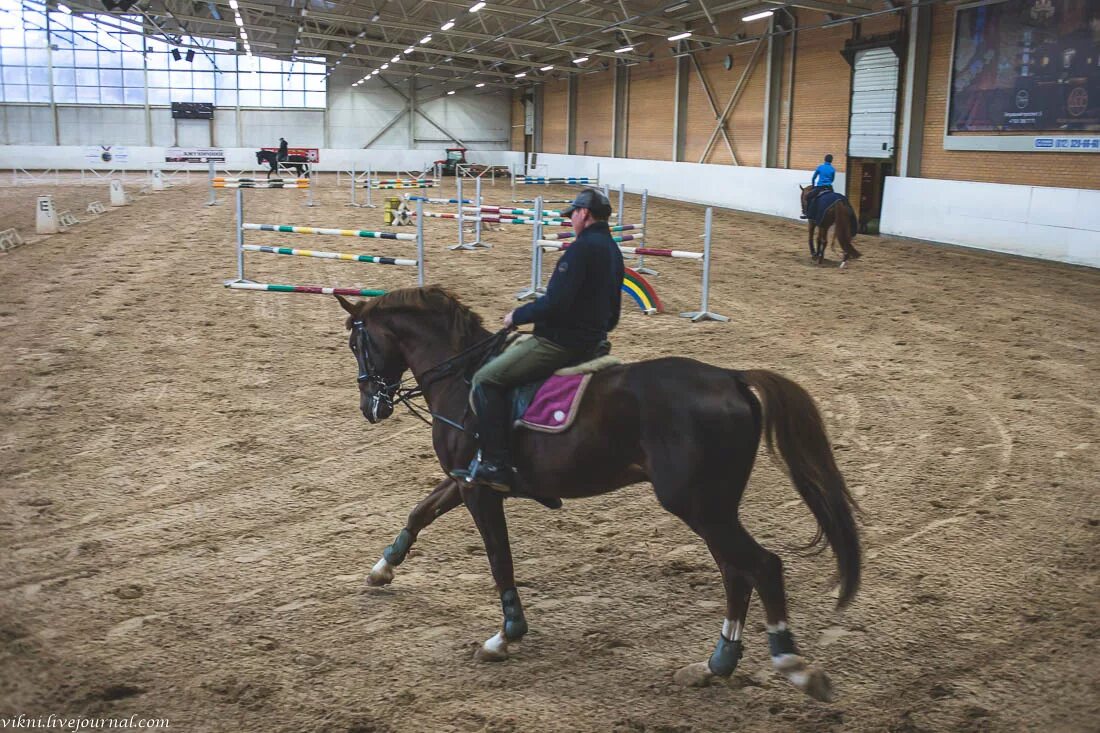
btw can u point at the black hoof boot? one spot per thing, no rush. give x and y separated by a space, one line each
515 625
781 642
726 656
395 553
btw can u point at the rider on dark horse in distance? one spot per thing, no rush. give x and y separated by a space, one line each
819 184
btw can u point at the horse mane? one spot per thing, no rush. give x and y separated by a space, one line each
463 324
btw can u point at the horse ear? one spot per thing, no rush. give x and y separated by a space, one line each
351 306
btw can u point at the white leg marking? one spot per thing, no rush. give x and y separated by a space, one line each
381 573
493 650
731 629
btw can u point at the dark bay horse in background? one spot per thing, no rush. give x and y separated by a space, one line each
839 215
689 428
270 158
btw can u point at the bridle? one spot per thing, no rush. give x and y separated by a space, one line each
402 392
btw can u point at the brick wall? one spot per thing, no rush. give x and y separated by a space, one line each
822 86
555 114
595 102
650 110
1070 170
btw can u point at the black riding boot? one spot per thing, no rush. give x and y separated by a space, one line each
493 464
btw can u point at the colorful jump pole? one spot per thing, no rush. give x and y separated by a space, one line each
243 283
641 268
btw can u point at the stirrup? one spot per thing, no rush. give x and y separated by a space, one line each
486 474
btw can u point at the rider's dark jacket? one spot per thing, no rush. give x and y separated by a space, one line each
583 300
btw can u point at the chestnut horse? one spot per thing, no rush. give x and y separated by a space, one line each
840 216
689 428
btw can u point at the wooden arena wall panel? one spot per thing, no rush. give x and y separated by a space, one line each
1066 170
745 122
822 89
595 113
650 110
555 117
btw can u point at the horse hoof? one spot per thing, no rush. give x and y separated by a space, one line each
805 677
693 675
493 650
843 264
818 685
381 574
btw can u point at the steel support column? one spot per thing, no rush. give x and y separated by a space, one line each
680 108
773 82
916 90
620 115
571 117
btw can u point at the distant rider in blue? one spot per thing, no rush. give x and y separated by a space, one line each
821 182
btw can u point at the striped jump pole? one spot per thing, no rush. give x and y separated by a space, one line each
330 255
228 179
242 283
428 200
365 233
616 228
260 185
558 244
319 290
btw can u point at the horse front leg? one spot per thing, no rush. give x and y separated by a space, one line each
487 508
811 226
443 498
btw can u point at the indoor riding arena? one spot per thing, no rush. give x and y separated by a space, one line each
207 510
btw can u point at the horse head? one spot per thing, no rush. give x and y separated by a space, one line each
379 358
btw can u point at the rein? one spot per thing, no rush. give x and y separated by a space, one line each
401 393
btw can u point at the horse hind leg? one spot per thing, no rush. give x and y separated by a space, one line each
765 569
745 565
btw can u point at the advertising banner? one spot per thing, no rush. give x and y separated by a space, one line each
311 155
194 155
106 154
1026 66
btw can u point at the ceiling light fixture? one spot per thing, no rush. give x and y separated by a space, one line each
624 49
479 85
385 66
64 9
476 7
521 74
410 49
680 36
448 25
450 92
374 18
759 16
425 39
395 59
547 68
581 60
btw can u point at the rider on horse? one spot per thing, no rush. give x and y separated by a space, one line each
820 183
572 320
284 150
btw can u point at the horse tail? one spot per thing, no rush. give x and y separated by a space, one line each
844 215
793 423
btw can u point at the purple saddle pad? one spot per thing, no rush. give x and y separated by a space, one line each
556 403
